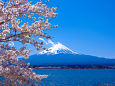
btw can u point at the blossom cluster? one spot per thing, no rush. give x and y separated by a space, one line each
13 28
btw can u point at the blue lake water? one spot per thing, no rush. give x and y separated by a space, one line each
77 77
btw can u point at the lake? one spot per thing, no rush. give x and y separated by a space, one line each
77 77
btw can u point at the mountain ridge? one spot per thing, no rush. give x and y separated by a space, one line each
59 54
57 49
67 59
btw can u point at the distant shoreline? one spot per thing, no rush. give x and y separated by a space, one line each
73 66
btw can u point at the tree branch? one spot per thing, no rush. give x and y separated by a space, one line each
3 40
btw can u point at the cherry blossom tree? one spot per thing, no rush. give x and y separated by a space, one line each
15 71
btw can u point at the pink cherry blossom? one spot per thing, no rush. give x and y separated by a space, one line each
13 28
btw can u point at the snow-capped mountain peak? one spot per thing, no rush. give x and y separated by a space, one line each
57 48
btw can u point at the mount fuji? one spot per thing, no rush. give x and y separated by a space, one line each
57 49
58 54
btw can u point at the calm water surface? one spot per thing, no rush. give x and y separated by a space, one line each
77 77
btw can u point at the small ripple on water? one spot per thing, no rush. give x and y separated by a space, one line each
77 77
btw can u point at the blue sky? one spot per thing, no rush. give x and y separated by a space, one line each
86 26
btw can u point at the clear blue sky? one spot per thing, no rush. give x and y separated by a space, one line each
86 26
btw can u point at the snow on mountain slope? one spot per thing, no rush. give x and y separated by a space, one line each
57 48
